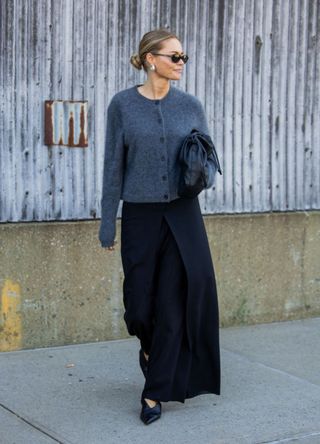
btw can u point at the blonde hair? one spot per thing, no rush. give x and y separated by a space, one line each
151 41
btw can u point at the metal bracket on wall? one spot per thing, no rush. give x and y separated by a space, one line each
66 123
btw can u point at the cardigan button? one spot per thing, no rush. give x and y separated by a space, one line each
156 102
161 139
164 177
165 196
163 158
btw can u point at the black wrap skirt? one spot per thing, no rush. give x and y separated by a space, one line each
170 297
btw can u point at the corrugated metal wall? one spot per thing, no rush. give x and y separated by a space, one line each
255 64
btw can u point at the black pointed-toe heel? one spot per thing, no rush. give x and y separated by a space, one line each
143 362
150 414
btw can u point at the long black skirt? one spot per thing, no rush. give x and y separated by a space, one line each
170 297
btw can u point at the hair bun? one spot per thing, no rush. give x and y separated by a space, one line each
136 61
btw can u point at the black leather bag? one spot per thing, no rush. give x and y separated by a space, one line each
196 148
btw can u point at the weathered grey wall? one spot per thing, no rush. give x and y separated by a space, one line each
252 63
58 286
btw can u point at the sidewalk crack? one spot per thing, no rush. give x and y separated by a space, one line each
291 438
33 425
261 364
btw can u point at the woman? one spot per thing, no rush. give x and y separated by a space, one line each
169 288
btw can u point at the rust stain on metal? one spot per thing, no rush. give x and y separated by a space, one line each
66 123
48 134
83 137
71 129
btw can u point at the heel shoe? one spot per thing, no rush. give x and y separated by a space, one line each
143 362
150 414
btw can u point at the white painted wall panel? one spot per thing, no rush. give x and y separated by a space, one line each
254 64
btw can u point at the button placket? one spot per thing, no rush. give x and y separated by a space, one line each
164 176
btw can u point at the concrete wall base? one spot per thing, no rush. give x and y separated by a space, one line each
58 286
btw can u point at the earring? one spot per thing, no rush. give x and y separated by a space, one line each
152 67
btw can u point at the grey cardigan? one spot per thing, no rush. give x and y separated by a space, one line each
143 138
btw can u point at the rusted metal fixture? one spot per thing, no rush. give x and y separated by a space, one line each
66 123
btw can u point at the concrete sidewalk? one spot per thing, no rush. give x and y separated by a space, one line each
89 393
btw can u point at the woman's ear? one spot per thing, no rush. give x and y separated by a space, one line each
150 58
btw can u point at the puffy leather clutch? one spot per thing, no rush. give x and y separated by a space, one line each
199 163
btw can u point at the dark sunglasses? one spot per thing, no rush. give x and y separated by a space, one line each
174 57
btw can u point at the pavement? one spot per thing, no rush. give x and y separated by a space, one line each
89 393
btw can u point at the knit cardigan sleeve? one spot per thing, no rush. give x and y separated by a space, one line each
112 174
211 165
